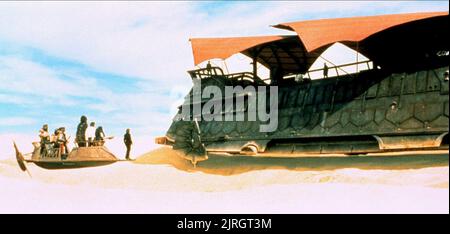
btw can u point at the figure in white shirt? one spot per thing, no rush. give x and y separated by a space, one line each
90 134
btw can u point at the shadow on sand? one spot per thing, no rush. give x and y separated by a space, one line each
231 165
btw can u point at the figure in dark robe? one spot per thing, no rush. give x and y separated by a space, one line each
81 132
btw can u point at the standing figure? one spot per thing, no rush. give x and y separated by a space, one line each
54 138
44 136
325 70
128 142
99 136
61 140
81 132
90 134
209 68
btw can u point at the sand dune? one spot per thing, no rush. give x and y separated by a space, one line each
160 182
231 165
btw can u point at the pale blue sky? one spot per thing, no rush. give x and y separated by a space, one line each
123 63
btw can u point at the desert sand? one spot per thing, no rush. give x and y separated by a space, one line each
161 182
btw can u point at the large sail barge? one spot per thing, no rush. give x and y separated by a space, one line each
399 102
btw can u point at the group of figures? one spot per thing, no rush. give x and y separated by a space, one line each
54 145
89 135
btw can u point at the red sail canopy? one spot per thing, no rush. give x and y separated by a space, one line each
377 38
210 48
318 33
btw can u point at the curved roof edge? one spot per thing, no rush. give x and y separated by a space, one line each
209 48
317 33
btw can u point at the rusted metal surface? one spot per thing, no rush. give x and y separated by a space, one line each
93 153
